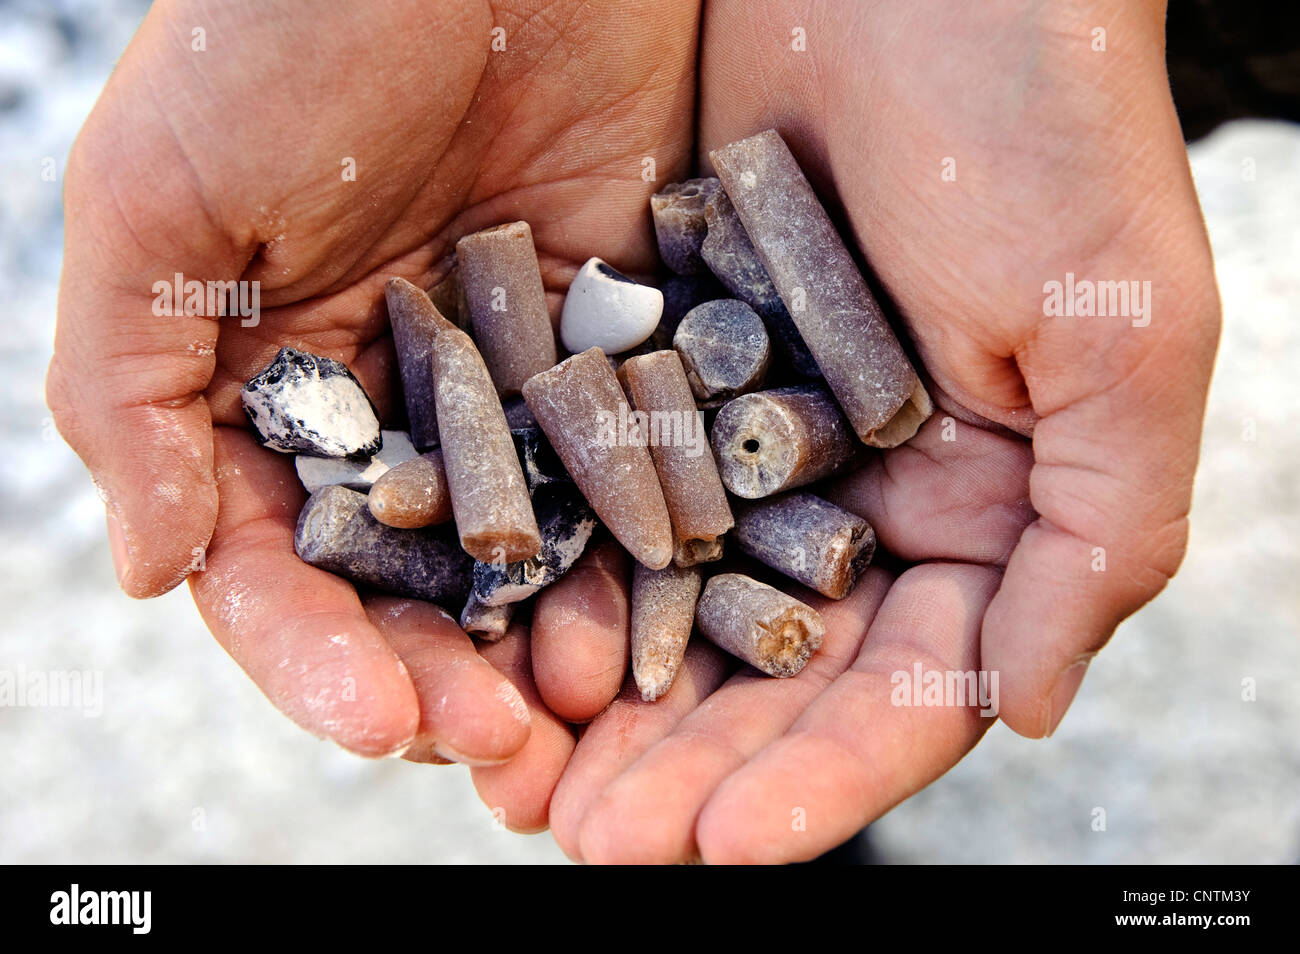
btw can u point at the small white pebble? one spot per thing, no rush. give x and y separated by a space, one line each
605 309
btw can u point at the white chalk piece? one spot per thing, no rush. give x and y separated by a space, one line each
607 310
310 404
359 475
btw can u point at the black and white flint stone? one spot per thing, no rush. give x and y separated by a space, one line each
318 472
308 404
566 522
540 462
336 532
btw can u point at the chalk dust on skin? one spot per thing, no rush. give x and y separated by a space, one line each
514 701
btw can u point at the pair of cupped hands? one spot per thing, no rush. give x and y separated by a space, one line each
1067 438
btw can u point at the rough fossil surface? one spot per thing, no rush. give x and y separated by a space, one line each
415 319
578 404
680 227
688 475
776 440
503 291
809 539
488 493
486 622
731 257
663 613
336 532
825 294
768 629
724 348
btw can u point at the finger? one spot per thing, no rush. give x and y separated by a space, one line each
626 729
853 753
581 638
469 712
647 815
1115 453
953 492
519 792
299 632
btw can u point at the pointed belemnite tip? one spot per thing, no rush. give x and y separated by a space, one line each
651 688
656 555
399 288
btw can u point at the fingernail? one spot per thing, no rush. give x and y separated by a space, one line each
447 752
117 546
1067 685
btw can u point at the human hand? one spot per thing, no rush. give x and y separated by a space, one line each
227 163
1060 506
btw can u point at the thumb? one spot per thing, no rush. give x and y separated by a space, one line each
125 384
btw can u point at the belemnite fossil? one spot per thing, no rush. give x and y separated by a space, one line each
517 453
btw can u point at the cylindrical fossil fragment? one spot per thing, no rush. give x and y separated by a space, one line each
678 213
507 303
823 290
663 611
581 408
724 349
780 439
412 494
337 532
486 622
447 296
415 320
730 255
807 538
697 504
564 518
681 294
758 623
488 494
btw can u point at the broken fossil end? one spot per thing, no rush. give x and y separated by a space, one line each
902 427
772 631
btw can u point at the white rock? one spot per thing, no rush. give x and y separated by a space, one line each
605 309
318 472
308 403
